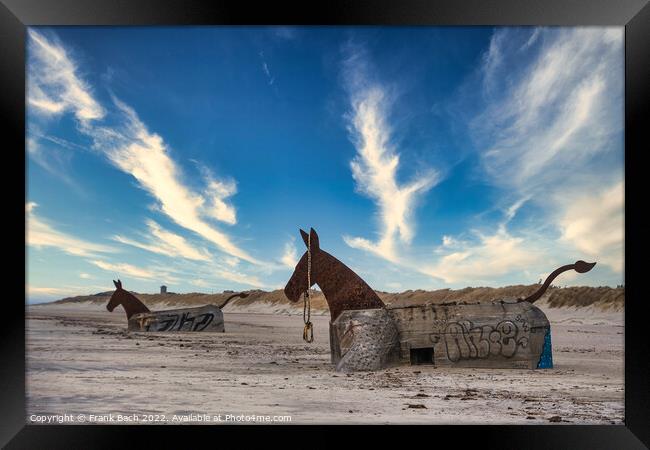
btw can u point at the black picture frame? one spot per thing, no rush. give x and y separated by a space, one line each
16 15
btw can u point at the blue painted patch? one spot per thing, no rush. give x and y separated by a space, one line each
546 358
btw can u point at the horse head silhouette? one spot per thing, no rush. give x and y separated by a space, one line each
343 289
128 301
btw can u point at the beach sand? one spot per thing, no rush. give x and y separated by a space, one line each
82 361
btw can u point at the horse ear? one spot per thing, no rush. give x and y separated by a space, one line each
305 237
119 283
116 285
315 245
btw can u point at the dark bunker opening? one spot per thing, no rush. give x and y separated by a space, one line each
421 356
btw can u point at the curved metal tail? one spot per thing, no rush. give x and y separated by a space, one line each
239 294
579 266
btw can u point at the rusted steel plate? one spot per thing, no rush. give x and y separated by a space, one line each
343 289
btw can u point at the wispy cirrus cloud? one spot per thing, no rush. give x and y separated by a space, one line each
215 273
552 113
131 147
217 193
240 277
45 293
144 155
376 164
53 160
552 131
165 242
549 135
53 86
267 71
40 233
121 269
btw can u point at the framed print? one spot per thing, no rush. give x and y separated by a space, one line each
386 214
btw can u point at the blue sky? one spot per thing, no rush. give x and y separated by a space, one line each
425 158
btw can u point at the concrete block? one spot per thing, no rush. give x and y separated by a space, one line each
205 318
364 340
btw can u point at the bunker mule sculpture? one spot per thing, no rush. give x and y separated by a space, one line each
141 318
365 334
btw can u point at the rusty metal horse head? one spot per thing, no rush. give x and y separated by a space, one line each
343 289
128 301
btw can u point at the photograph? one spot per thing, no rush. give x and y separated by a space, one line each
274 224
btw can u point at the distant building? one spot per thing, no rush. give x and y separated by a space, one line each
163 289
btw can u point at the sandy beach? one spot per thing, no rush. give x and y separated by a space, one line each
81 361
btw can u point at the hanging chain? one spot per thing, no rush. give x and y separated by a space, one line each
308 331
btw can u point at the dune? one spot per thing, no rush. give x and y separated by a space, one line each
590 301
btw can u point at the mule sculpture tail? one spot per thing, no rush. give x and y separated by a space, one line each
579 266
239 294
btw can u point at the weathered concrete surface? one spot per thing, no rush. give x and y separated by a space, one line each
490 335
364 340
205 318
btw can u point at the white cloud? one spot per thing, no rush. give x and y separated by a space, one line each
211 274
45 291
492 60
145 156
166 243
448 241
214 274
594 224
121 269
239 277
550 132
51 293
290 255
492 256
129 145
64 143
217 192
547 118
85 276
53 86
374 169
551 135
267 71
231 261
42 234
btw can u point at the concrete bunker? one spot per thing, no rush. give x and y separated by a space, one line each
141 318
365 334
